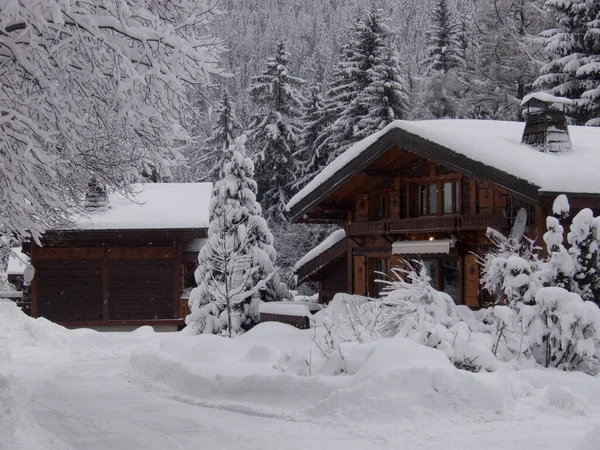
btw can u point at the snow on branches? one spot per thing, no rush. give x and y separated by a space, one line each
93 88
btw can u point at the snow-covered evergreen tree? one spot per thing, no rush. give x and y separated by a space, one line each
445 48
275 131
584 239
236 267
368 58
224 131
309 154
385 98
574 51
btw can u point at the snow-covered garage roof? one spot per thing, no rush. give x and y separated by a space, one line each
17 262
329 242
153 206
492 144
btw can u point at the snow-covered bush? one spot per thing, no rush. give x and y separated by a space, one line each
563 330
584 240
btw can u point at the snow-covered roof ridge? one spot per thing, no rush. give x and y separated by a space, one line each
496 144
545 97
153 206
330 241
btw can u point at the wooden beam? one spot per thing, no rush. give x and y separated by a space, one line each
105 288
141 252
34 283
69 253
176 279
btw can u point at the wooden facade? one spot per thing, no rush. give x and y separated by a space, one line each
114 277
405 189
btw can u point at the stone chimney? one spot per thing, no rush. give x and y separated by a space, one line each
95 197
546 123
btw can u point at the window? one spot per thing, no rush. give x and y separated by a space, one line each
380 270
445 276
428 198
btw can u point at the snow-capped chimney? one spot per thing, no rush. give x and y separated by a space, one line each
546 123
95 197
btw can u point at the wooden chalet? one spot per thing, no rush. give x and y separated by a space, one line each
429 190
124 264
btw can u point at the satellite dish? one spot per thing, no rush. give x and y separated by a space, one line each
518 229
28 273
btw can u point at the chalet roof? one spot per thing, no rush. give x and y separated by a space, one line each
153 206
320 256
481 148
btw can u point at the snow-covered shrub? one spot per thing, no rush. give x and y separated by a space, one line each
506 332
509 271
559 268
584 240
563 330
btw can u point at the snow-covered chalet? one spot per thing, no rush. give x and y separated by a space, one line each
430 189
125 261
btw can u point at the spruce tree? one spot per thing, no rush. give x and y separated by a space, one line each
223 135
385 98
573 70
362 64
274 132
236 266
445 48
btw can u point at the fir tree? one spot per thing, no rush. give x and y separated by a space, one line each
574 50
274 132
385 98
445 47
362 63
236 267
223 135
309 155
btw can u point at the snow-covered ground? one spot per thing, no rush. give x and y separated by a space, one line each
62 389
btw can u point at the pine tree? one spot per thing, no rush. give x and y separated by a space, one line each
362 64
274 132
573 47
223 135
385 98
444 52
309 154
236 267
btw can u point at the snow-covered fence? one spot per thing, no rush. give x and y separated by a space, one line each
295 314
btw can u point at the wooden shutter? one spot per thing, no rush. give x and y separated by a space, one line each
395 205
360 275
471 294
362 208
486 199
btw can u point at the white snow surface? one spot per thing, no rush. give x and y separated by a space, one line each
329 242
62 389
546 97
17 262
285 309
153 206
496 144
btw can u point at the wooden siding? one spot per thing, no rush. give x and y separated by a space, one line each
69 290
360 275
140 289
471 281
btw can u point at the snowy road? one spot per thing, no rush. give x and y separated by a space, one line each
90 405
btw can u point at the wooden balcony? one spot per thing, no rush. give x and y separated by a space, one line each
427 224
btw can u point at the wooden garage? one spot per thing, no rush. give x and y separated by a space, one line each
128 264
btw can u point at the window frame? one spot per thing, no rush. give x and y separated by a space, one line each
420 195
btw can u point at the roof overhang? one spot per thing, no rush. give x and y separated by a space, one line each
397 137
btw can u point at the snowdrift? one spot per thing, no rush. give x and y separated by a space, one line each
387 380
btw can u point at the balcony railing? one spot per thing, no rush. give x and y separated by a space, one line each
427 224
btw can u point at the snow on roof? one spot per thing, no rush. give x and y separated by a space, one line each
17 262
496 144
329 242
545 97
154 206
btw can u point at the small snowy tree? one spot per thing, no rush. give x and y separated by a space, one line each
274 132
584 239
236 266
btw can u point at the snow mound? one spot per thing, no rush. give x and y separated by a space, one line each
590 441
